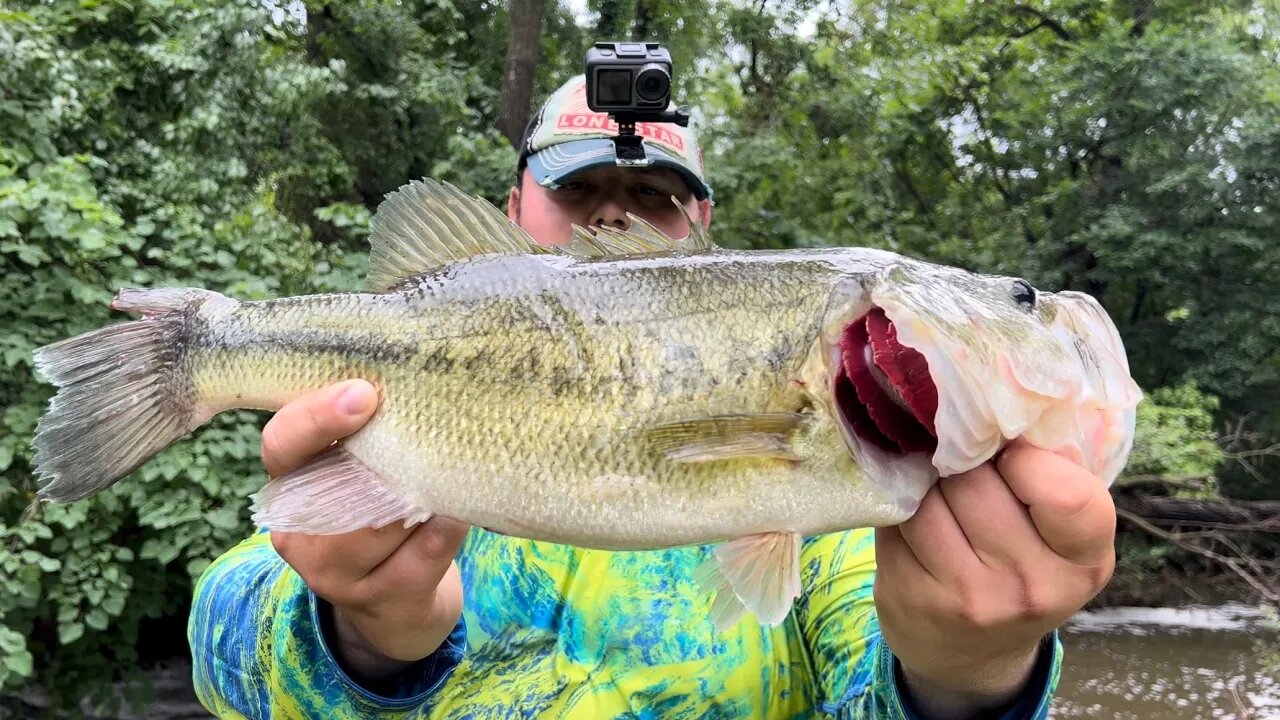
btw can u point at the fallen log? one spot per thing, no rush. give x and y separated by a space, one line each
1213 528
1242 515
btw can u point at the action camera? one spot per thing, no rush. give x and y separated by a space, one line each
628 77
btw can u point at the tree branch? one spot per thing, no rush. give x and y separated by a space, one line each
1045 22
1138 299
1273 449
1178 481
994 173
1027 32
1261 586
904 177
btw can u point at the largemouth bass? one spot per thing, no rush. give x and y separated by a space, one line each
623 391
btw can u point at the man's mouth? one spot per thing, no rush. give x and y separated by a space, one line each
883 389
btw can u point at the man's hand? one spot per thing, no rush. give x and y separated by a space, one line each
993 560
396 592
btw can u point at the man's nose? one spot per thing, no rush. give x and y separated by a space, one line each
611 213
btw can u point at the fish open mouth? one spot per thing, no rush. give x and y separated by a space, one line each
883 389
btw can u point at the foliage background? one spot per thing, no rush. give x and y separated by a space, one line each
1122 148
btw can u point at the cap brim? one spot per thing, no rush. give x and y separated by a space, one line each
555 164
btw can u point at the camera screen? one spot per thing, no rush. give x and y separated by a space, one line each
613 87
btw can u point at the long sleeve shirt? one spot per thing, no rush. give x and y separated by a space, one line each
562 632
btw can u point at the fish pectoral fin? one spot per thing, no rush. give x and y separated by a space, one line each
758 573
722 437
335 493
425 225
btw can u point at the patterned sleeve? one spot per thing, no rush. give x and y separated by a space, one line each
259 650
855 671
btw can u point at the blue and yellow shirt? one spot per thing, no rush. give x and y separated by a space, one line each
552 631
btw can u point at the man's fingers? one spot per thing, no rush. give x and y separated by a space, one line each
936 539
339 560
306 426
422 559
1069 505
991 516
895 557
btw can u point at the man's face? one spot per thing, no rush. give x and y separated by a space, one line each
603 197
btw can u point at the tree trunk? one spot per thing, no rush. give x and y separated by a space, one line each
644 16
612 21
1140 12
319 20
524 42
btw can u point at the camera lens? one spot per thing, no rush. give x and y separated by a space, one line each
653 84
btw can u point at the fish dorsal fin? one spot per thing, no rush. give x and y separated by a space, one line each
698 240
641 238
723 437
426 224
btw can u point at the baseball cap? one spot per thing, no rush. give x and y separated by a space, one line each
566 137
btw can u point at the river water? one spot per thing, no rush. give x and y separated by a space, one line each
1170 664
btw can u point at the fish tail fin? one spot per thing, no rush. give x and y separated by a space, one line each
123 395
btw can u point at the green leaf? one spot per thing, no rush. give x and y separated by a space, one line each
96 619
70 633
197 566
10 642
19 663
93 239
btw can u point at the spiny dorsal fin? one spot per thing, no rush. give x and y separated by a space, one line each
641 238
425 225
722 437
698 240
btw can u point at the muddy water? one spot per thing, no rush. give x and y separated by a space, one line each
1170 664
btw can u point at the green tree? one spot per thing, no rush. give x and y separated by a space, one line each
1124 149
205 144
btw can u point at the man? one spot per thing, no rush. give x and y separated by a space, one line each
950 615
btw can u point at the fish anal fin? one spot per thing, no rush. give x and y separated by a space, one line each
333 494
425 225
756 573
723 437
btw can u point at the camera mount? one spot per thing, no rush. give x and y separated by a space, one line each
627 144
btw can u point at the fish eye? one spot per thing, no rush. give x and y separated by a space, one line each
1024 294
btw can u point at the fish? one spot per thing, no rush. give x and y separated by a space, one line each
624 391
